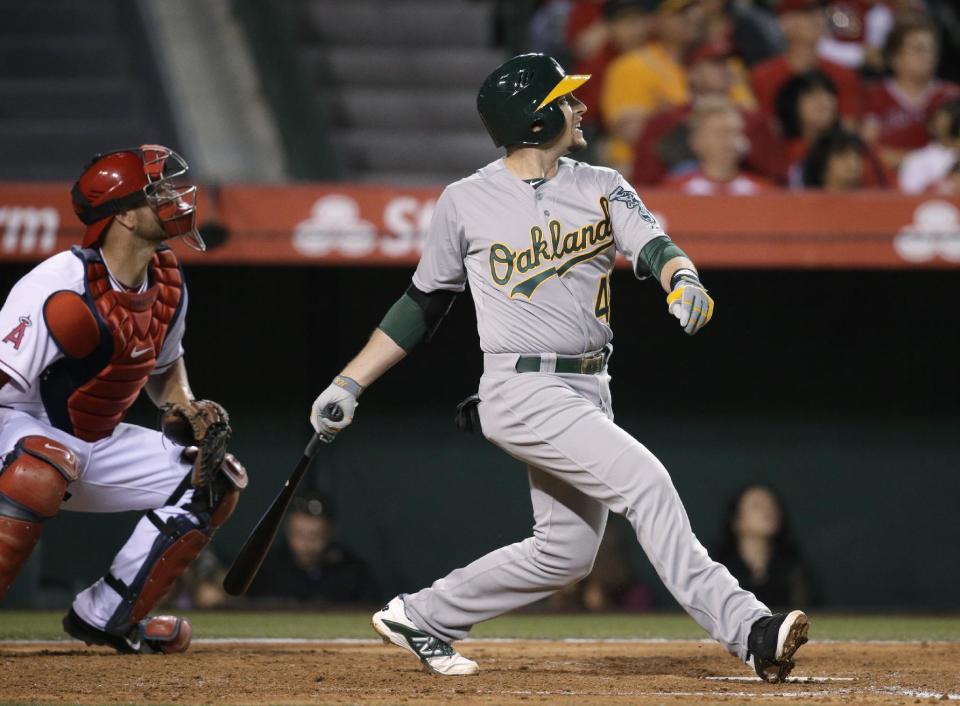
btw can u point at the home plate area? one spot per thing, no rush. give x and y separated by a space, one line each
512 672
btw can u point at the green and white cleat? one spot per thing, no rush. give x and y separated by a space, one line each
393 625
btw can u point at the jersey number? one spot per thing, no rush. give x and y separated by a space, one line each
602 309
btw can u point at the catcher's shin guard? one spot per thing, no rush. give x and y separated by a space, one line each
179 541
33 480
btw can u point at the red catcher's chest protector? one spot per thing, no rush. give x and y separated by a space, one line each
110 342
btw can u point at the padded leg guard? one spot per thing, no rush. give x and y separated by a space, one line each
33 480
179 542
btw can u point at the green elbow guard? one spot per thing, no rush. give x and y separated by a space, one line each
405 323
416 316
655 255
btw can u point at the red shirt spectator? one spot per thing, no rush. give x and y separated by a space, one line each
768 78
718 143
899 108
663 143
901 120
803 24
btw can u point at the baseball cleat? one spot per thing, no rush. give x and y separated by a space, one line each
393 625
164 634
772 643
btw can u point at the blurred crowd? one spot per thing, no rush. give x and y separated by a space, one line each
740 97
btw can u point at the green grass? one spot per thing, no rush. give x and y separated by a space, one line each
36 625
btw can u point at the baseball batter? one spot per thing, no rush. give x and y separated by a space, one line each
535 234
82 334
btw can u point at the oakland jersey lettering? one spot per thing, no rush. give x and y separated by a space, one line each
585 243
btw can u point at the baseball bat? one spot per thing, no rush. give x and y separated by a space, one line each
254 550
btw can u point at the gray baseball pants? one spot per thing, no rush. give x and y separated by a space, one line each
580 465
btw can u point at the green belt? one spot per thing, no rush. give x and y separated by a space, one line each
586 365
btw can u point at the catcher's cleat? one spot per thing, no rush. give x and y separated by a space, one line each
165 634
393 625
772 643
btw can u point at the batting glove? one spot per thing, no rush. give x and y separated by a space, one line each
333 410
689 302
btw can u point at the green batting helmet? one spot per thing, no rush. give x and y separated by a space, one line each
517 101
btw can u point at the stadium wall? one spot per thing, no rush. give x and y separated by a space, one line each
839 387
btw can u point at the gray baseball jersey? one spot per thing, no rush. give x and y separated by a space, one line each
538 263
538 260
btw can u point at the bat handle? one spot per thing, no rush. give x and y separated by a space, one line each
313 445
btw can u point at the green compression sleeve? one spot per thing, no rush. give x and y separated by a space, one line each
416 316
655 255
405 323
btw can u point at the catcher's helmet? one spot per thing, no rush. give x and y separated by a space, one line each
150 174
517 101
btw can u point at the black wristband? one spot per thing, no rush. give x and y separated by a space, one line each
684 273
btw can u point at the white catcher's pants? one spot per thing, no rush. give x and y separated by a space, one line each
134 469
580 466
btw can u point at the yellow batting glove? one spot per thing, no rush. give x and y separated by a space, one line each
690 303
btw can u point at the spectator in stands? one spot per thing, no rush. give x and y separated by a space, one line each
804 24
898 109
309 567
806 108
758 549
640 82
664 143
645 81
839 160
922 169
626 25
719 143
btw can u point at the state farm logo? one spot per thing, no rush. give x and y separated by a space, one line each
28 230
337 226
935 232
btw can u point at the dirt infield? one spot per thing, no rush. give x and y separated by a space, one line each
511 673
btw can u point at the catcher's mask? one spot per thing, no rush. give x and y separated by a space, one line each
150 174
518 100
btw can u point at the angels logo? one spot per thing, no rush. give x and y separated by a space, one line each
16 335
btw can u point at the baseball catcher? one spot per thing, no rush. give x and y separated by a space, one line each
83 333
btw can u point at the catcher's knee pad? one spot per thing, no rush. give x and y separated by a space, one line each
180 540
33 480
230 481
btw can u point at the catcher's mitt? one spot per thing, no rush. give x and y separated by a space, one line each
204 425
